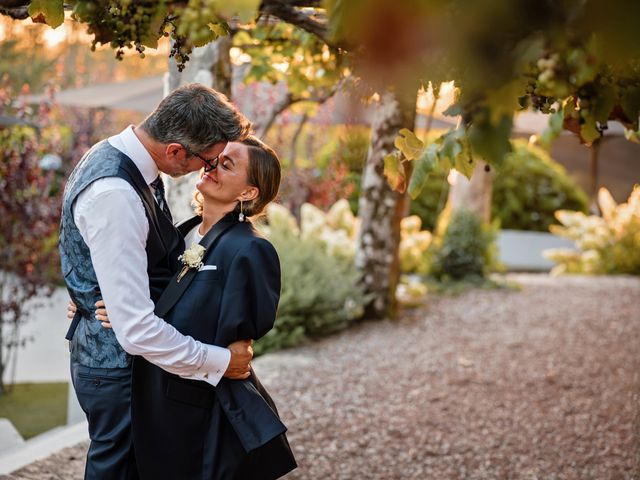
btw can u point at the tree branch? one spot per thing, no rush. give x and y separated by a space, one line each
288 100
16 9
288 11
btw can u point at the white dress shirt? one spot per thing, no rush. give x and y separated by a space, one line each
112 221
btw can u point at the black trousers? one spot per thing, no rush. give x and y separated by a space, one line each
105 396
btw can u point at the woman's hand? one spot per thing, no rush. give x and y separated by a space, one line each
101 314
71 310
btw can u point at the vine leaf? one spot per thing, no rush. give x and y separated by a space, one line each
220 29
554 128
588 131
50 12
423 166
244 9
604 103
394 172
491 142
410 145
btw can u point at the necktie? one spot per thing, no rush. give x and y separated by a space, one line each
158 192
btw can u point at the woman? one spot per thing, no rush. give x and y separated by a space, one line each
186 429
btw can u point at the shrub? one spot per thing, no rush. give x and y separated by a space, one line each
607 244
466 249
530 187
321 293
30 199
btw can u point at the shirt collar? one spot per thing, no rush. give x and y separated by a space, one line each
129 144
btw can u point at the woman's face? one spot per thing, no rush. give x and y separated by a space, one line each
228 181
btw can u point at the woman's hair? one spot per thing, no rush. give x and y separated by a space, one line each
263 172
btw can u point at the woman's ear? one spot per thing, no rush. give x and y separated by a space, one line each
250 193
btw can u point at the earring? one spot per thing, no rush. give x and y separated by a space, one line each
241 216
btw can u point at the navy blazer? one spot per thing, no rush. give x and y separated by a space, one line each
189 429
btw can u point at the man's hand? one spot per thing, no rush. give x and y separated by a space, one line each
240 364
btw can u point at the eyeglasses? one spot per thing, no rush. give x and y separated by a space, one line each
209 164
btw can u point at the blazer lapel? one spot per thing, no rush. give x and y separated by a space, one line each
177 286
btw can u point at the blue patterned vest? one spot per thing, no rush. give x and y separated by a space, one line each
91 344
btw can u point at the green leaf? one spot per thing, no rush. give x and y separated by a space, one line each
491 142
50 12
394 172
631 105
554 128
205 39
150 39
220 29
465 164
246 10
423 166
410 145
603 103
588 130
451 145
453 110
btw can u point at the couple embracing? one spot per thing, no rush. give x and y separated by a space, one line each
163 374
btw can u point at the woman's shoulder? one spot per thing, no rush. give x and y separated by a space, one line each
248 239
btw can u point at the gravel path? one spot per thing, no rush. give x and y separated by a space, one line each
540 383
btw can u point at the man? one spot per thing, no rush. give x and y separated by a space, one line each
118 243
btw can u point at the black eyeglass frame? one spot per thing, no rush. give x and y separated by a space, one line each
209 164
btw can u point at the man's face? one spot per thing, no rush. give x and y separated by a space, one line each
179 161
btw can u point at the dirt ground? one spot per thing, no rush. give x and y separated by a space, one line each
536 383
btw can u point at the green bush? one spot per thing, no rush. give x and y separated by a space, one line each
467 249
321 294
530 187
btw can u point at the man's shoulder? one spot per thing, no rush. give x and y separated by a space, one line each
109 190
108 184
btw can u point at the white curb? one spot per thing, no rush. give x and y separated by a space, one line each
42 446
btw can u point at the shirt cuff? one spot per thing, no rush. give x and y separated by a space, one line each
215 364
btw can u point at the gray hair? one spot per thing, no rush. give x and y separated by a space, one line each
197 117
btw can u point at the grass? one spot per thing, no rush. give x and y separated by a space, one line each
34 408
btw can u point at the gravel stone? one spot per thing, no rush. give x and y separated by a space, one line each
536 383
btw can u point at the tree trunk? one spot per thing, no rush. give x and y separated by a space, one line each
211 66
475 194
381 208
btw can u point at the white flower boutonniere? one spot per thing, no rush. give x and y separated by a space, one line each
191 258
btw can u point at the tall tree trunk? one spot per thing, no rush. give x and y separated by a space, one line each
209 65
475 194
381 208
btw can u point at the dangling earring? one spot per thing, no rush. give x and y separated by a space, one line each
241 216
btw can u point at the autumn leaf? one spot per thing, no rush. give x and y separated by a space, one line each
50 12
394 172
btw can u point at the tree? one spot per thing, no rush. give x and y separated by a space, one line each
576 61
29 214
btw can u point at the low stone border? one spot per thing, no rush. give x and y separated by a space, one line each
42 446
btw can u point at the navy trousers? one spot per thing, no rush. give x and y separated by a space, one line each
105 396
